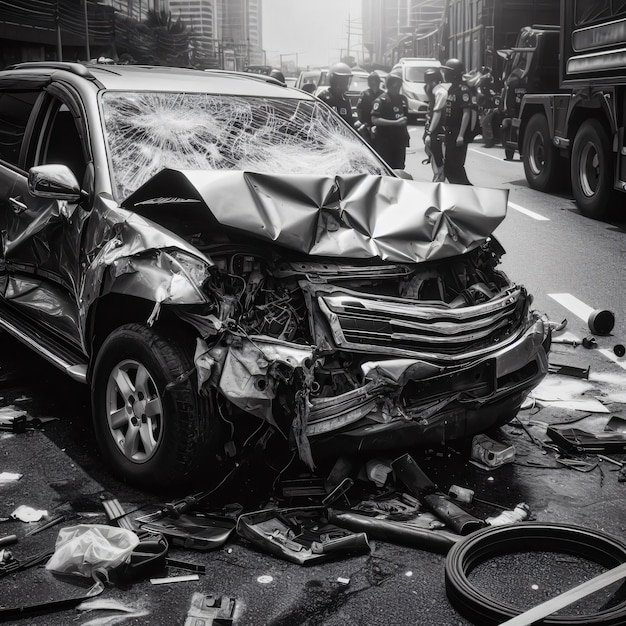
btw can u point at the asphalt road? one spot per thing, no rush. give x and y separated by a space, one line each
563 253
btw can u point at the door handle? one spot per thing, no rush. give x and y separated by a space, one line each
17 205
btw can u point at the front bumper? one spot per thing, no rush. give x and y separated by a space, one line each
417 107
408 402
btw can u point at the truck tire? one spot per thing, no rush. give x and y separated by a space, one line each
542 162
153 428
591 170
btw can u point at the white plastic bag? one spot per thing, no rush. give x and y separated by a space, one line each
86 548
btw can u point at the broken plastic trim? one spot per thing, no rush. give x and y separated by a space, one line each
483 609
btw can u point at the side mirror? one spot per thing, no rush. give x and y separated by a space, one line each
403 174
54 181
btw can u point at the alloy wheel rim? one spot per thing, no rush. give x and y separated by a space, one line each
537 155
589 169
134 411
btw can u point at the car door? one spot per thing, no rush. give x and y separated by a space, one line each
41 236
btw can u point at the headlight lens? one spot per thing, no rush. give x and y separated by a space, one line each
196 269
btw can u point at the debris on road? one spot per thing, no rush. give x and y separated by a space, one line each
27 514
490 453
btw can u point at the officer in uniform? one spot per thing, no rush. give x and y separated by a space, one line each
365 103
433 129
339 76
390 115
457 121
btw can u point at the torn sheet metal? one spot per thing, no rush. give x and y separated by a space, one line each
357 216
250 371
300 535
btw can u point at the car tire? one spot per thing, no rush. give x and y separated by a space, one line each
152 426
542 162
591 170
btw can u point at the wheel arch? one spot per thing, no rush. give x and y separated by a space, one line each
596 108
114 310
527 113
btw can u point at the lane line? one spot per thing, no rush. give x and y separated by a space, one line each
573 304
535 216
582 311
491 156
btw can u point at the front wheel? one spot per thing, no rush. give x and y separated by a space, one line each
152 427
591 170
541 159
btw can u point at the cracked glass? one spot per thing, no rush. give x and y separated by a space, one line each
147 132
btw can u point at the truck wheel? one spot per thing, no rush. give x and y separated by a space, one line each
592 170
152 427
541 159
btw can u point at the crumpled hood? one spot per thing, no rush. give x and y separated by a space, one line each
358 216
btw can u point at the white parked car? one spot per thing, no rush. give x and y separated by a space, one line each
413 83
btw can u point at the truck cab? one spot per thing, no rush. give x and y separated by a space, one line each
531 67
575 130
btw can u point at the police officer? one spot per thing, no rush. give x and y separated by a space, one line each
390 115
457 121
365 103
339 76
433 129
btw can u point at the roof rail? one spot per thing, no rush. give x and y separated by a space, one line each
74 68
248 75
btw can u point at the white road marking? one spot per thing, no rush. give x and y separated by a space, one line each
491 156
528 212
583 311
573 304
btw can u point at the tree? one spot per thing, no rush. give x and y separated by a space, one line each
158 40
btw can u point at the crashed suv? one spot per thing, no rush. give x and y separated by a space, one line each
215 254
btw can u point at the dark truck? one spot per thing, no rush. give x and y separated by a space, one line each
577 126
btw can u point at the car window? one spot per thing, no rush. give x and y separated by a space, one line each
358 82
147 132
15 109
61 141
415 74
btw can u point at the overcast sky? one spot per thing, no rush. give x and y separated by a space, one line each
316 29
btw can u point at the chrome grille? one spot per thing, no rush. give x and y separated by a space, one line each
410 328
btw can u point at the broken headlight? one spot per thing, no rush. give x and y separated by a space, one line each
196 270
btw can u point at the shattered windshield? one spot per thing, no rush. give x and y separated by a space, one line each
147 132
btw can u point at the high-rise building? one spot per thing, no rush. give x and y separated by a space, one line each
239 34
201 17
401 28
136 9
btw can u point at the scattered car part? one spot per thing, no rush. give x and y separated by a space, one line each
194 531
616 423
425 490
608 459
8 540
300 535
532 616
338 492
116 514
569 370
577 440
491 453
210 610
482 609
174 579
400 532
461 494
619 350
518 514
589 342
49 524
601 322
13 423
566 342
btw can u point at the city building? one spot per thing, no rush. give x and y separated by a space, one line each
406 28
224 33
